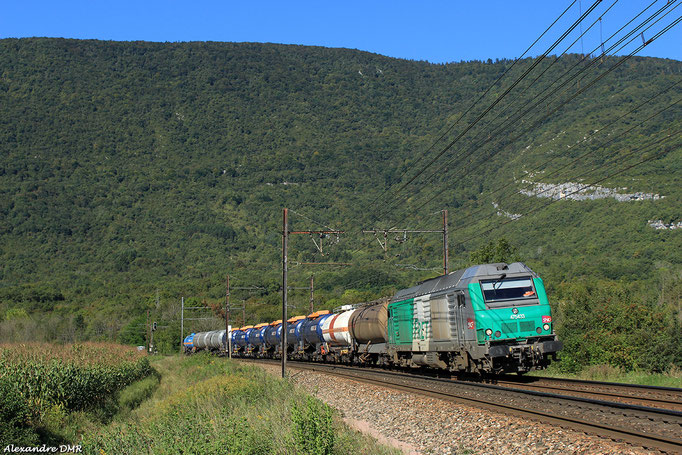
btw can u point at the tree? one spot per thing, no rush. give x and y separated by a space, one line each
495 251
134 332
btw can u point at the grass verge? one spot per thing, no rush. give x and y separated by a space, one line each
607 373
206 404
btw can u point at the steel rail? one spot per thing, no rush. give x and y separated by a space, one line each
607 384
671 397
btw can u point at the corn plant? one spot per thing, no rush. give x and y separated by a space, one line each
75 377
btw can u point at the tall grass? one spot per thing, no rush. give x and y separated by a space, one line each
209 405
671 378
202 404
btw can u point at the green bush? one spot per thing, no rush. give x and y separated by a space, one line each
313 429
495 251
610 323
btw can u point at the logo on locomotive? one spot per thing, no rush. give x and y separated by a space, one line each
420 330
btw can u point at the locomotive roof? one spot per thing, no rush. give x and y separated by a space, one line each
461 278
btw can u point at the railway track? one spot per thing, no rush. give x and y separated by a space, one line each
650 396
645 426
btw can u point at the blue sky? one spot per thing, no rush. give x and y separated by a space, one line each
437 31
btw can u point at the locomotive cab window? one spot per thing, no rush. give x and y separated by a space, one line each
505 290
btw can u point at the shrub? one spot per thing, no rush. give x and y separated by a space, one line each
313 429
608 323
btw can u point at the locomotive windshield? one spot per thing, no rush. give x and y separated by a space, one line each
508 289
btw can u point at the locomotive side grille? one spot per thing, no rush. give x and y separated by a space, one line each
527 326
509 327
452 301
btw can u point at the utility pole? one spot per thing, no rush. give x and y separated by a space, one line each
182 323
285 245
146 332
151 342
446 250
312 290
228 344
285 260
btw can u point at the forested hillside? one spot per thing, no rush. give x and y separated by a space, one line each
132 167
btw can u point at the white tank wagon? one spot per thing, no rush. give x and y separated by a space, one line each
212 340
216 340
200 340
335 329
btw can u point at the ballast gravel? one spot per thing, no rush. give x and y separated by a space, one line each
421 425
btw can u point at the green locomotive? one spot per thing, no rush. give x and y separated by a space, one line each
488 318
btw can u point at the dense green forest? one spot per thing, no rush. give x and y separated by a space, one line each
135 173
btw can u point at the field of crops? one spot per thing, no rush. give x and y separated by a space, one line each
36 378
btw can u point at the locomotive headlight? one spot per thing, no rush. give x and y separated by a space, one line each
488 332
498 334
546 327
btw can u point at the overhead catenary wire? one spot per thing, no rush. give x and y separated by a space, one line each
312 220
472 105
552 201
589 152
577 93
507 91
498 99
584 155
620 158
529 108
556 59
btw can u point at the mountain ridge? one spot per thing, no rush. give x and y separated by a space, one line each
129 166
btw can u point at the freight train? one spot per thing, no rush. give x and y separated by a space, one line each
490 318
